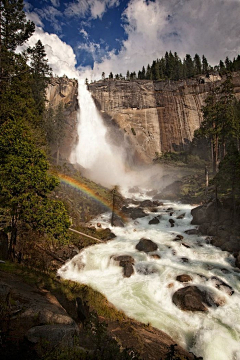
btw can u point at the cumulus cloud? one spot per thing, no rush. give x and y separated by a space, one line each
208 27
60 56
94 8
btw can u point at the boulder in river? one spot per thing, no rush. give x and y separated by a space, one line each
184 278
146 245
237 262
221 285
134 212
191 298
126 262
154 221
191 232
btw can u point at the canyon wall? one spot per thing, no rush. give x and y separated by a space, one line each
66 91
155 116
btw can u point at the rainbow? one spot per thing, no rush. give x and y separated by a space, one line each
86 190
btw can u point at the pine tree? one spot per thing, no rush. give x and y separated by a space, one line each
205 66
25 184
189 66
197 64
41 73
14 31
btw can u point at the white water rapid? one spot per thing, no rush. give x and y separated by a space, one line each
147 295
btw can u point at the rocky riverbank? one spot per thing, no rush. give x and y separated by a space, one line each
43 318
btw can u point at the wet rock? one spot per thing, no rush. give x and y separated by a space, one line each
155 256
126 262
186 245
146 203
171 213
134 213
191 298
181 216
237 262
154 210
184 278
117 221
184 259
191 232
122 259
99 225
221 285
157 203
128 270
171 222
146 245
178 237
154 221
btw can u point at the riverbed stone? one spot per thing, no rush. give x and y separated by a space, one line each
221 285
184 278
146 245
126 262
134 212
154 221
191 298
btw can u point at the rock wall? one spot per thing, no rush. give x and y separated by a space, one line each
66 91
155 116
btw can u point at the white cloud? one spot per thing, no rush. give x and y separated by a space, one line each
208 27
35 18
52 15
60 56
55 3
96 8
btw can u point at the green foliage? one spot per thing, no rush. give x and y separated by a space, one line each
25 183
228 176
40 75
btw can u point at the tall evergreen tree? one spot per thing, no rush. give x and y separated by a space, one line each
25 183
40 72
205 65
197 64
14 31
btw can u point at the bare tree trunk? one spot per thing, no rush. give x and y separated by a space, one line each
206 180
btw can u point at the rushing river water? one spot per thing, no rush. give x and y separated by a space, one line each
147 295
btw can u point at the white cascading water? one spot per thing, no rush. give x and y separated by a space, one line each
147 295
103 161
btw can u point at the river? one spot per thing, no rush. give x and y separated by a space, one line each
147 295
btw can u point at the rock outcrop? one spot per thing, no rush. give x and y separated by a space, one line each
64 90
154 116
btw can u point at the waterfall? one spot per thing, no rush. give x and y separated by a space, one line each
104 162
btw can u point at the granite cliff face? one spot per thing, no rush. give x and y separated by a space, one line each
155 116
66 91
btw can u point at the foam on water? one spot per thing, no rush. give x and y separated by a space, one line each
148 298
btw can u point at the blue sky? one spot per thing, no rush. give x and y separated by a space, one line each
119 35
